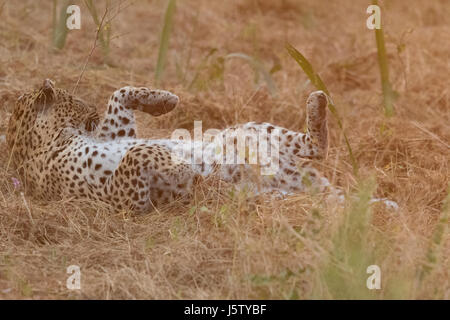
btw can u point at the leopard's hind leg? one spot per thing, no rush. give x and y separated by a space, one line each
147 176
314 143
317 126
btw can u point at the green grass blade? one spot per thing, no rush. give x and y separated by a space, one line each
187 65
344 273
59 25
200 67
307 68
258 68
164 41
437 239
320 85
389 95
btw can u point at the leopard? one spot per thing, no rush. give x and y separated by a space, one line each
61 148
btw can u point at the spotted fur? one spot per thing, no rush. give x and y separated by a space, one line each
62 148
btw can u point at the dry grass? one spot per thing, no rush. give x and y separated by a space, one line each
228 245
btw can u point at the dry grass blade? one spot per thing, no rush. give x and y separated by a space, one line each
104 27
91 52
27 207
431 134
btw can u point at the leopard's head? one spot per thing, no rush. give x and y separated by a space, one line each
58 109
41 114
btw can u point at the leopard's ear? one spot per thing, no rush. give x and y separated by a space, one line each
48 89
46 95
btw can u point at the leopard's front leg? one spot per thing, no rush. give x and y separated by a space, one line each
119 120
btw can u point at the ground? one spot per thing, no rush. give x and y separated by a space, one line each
227 245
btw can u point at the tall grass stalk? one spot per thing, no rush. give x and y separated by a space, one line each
432 255
59 24
99 28
318 83
389 94
164 41
344 272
